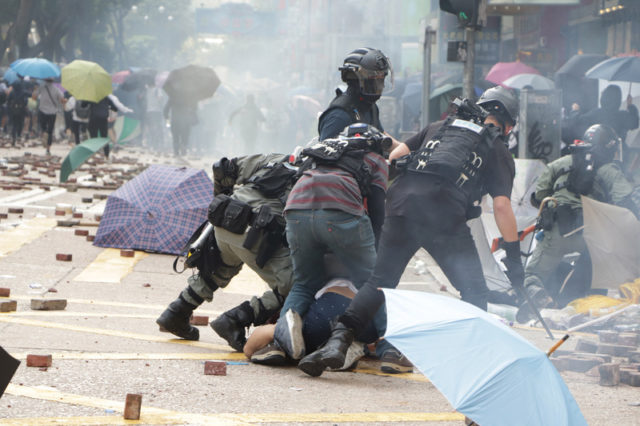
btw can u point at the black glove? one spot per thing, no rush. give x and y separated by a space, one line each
513 262
225 173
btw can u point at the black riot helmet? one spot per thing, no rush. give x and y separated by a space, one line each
501 103
368 68
604 142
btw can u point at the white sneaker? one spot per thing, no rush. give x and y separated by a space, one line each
288 334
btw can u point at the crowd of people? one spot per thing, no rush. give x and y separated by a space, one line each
326 228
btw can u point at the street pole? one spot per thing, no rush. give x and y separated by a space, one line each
469 64
429 36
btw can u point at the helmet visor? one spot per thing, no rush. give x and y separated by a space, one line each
376 83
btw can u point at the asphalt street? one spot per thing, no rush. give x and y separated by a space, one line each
105 344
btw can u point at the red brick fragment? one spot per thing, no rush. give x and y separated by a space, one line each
215 368
63 257
81 232
87 200
4 292
4 215
127 253
77 215
39 360
8 306
91 237
16 210
60 213
146 285
132 406
199 320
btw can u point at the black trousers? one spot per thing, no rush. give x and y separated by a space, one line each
453 250
99 128
47 123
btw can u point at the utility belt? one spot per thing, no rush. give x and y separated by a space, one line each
568 218
235 216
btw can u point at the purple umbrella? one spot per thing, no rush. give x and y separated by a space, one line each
156 211
503 70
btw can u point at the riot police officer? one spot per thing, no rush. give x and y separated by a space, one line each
451 165
589 170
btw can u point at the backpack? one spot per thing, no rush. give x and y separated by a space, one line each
82 109
17 100
275 181
582 172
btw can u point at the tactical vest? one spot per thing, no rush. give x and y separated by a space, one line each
275 180
346 154
458 152
354 107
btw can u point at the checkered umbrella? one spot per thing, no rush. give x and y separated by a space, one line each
156 211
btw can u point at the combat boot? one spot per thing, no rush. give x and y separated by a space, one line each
175 319
231 325
331 354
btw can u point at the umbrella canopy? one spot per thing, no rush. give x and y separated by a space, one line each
86 81
536 81
503 70
126 129
157 211
10 76
79 154
577 65
192 83
612 234
139 79
625 68
120 76
36 68
487 371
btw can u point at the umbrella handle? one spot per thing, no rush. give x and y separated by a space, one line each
557 345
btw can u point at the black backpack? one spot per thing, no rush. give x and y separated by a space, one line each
82 109
583 171
275 181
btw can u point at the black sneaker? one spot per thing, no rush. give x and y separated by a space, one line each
269 355
393 362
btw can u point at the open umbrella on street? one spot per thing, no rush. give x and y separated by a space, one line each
623 68
126 129
536 81
79 154
86 80
10 76
577 65
120 76
158 210
487 371
36 68
139 79
503 70
192 83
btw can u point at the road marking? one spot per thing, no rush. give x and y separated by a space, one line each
152 415
22 195
26 232
109 267
116 304
114 333
222 356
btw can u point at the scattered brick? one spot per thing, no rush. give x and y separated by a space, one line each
615 350
584 345
608 336
72 188
68 223
215 368
45 187
81 232
199 320
632 379
8 306
60 213
609 374
16 210
72 180
627 339
52 290
146 285
63 257
132 406
98 217
87 200
91 237
4 292
39 360
77 215
100 196
127 253
48 304
4 216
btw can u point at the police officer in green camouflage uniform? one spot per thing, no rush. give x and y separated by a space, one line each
238 182
600 178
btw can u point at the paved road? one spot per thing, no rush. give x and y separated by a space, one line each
106 344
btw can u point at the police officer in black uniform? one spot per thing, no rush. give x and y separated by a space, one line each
429 207
364 70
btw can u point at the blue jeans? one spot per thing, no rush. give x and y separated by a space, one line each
311 234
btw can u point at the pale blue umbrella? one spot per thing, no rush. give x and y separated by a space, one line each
487 371
36 68
10 76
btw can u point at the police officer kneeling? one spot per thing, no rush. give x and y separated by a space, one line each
589 170
452 164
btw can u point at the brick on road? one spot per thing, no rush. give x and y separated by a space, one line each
132 406
48 304
5 292
215 368
8 306
39 360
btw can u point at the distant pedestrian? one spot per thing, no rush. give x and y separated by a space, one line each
17 106
80 111
50 100
246 120
183 116
99 117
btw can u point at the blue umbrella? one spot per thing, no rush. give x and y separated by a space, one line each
624 68
36 68
156 211
487 371
10 76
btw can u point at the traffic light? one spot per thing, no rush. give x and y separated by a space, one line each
467 11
